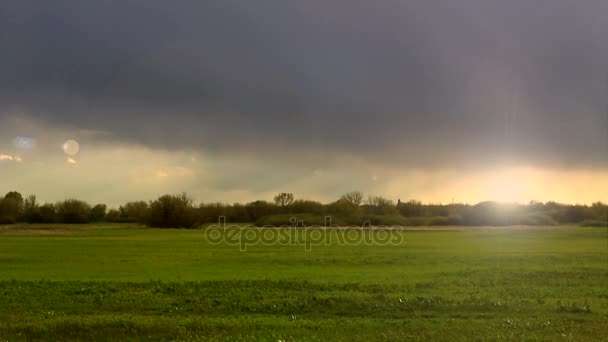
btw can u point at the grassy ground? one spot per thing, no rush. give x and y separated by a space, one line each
128 283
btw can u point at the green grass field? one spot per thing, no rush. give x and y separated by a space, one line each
121 283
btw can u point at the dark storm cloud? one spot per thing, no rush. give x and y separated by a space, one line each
422 82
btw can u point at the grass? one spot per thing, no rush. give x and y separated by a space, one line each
129 283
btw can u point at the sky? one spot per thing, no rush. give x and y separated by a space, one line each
234 101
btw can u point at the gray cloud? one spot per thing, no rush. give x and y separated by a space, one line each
416 83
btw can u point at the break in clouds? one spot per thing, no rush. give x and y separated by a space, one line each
239 99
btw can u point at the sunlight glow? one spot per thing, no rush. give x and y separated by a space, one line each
510 185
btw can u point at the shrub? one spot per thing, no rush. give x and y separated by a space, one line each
417 221
291 220
171 211
73 211
134 211
7 220
306 206
47 213
594 223
452 220
11 208
538 220
387 220
98 213
33 213
113 215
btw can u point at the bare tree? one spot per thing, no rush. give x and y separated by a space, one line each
355 198
283 199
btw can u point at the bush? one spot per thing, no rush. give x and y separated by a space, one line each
47 213
11 209
7 220
98 213
113 215
134 211
451 220
171 211
387 220
417 221
594 223
292 220
538 220
73 211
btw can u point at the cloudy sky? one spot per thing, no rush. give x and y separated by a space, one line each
235 100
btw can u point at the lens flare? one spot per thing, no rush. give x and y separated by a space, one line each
24 142
71 147
10 158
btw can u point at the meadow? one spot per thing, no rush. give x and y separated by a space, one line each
124 282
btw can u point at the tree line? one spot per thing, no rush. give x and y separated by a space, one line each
285 210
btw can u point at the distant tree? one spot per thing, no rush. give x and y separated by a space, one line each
98 213
259 209
355 198
134 211
341 207
210 212
7 215
574 213
113 215
14 195
379 205
238 213
307 206
30 202
73 211
11 207
171 211
599 211
31 211
283 199
48 213
411 208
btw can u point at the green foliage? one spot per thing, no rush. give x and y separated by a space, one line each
307 206
354 198
378 205
259 209
171 211
595 223
342 207
113 215
134 211
538 219
48 213
11 207
452 220
349 209
129 212
30 208
73 211
386 220
292 220
98 213
34 213
411 208
283 199
5 219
